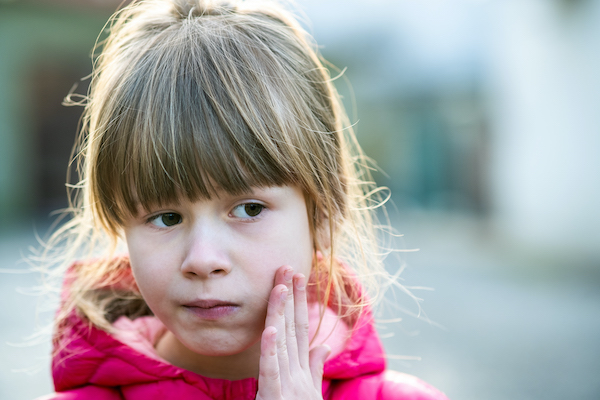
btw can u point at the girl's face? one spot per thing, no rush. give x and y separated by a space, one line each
206 268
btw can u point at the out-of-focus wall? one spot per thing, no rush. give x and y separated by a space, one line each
543 90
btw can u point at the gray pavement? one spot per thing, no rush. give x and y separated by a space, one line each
505 325
515 326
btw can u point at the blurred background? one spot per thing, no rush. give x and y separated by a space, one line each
484 116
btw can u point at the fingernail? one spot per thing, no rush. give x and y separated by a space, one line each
288 274
300 282
284 293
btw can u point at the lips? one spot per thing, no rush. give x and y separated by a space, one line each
210 303
211 309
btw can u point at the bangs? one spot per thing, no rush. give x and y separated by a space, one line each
198 124
190 144
198 105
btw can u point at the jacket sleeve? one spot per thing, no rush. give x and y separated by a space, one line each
91 392
400 386
388 385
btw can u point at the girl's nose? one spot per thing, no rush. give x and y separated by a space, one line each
206 256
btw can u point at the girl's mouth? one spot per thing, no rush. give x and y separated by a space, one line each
211 309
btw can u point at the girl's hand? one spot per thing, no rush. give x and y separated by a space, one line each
288 370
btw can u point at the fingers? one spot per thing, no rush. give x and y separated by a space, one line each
301 319
276 319
290 318
269 383
286 365
296 317
289 314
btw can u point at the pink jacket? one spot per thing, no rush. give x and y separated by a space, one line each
90 363
95 365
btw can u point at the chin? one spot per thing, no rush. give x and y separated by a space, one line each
221 347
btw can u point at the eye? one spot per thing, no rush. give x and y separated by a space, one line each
247 210
166 220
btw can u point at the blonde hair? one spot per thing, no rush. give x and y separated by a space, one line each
188 96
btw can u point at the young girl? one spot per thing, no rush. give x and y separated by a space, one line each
215 148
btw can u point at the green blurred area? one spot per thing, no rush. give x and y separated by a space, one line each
44 52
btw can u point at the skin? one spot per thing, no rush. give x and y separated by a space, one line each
251 252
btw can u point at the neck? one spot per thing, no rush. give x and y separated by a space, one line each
231 367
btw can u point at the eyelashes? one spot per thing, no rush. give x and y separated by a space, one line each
246 211
165 220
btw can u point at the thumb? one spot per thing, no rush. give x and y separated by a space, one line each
317 357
